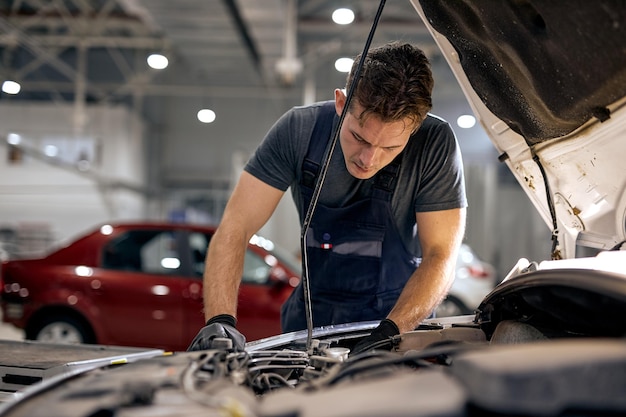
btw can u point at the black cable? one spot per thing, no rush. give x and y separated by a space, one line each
386 344
372 360
555 228
320 181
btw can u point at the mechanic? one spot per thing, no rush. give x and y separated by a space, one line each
383 240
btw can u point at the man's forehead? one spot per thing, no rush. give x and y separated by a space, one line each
358 112
384 134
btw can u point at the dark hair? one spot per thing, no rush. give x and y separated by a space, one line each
395 83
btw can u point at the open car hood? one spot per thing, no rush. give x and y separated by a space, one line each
547 81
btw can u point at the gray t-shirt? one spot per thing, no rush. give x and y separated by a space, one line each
430 176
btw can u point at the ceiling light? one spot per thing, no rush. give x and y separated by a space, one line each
206 116
157 61
343 16
14 139
466 121
11 87
344 64
51 151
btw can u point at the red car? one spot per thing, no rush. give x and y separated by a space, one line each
139 285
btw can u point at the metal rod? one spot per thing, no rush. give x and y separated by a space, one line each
320 181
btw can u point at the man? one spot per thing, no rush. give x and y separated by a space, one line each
383 241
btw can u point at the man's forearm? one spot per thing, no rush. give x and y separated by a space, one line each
222 273
422 293
441 234
249 207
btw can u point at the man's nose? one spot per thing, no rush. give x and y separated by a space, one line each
369 156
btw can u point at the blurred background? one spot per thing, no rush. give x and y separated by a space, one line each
148 109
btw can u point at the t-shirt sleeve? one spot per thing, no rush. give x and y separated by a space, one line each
275 161
442 182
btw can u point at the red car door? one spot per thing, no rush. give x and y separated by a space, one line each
139 290
260 298
261 293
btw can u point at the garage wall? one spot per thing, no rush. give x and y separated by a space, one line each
193 151
53 201
63 178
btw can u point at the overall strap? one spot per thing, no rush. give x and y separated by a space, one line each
317 145
386 179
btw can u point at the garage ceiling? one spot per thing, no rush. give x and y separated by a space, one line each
245 53
95 50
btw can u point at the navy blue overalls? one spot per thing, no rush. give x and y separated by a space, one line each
357 261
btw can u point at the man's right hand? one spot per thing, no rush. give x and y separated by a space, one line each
219 327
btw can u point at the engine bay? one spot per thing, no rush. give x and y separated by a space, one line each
448 369
516 356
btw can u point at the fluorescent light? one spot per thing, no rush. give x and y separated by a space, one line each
157 61
343 16
11 87
466 121
206 116
343 64
14 139
51 151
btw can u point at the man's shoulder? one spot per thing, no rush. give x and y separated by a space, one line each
299 118
434 120
433 130
314 106
309 110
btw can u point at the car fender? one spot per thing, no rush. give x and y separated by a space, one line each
58 299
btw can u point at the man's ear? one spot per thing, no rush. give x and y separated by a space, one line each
340 100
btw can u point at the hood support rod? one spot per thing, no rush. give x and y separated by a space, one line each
320 181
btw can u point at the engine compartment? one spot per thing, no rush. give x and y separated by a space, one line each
519 355
450 370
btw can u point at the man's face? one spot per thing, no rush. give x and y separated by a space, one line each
370 145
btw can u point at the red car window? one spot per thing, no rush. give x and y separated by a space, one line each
149 251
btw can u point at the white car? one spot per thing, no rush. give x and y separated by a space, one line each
473 280
547 79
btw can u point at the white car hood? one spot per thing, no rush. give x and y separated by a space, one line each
547 81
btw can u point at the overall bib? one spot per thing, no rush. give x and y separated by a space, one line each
358 264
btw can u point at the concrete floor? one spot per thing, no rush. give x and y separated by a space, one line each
8 332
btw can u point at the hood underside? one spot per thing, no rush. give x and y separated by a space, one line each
547 80
543 67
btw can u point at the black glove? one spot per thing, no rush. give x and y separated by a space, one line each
219 327
380 338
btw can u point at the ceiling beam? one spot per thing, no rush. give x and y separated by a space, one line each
171 90
72 41
244 32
